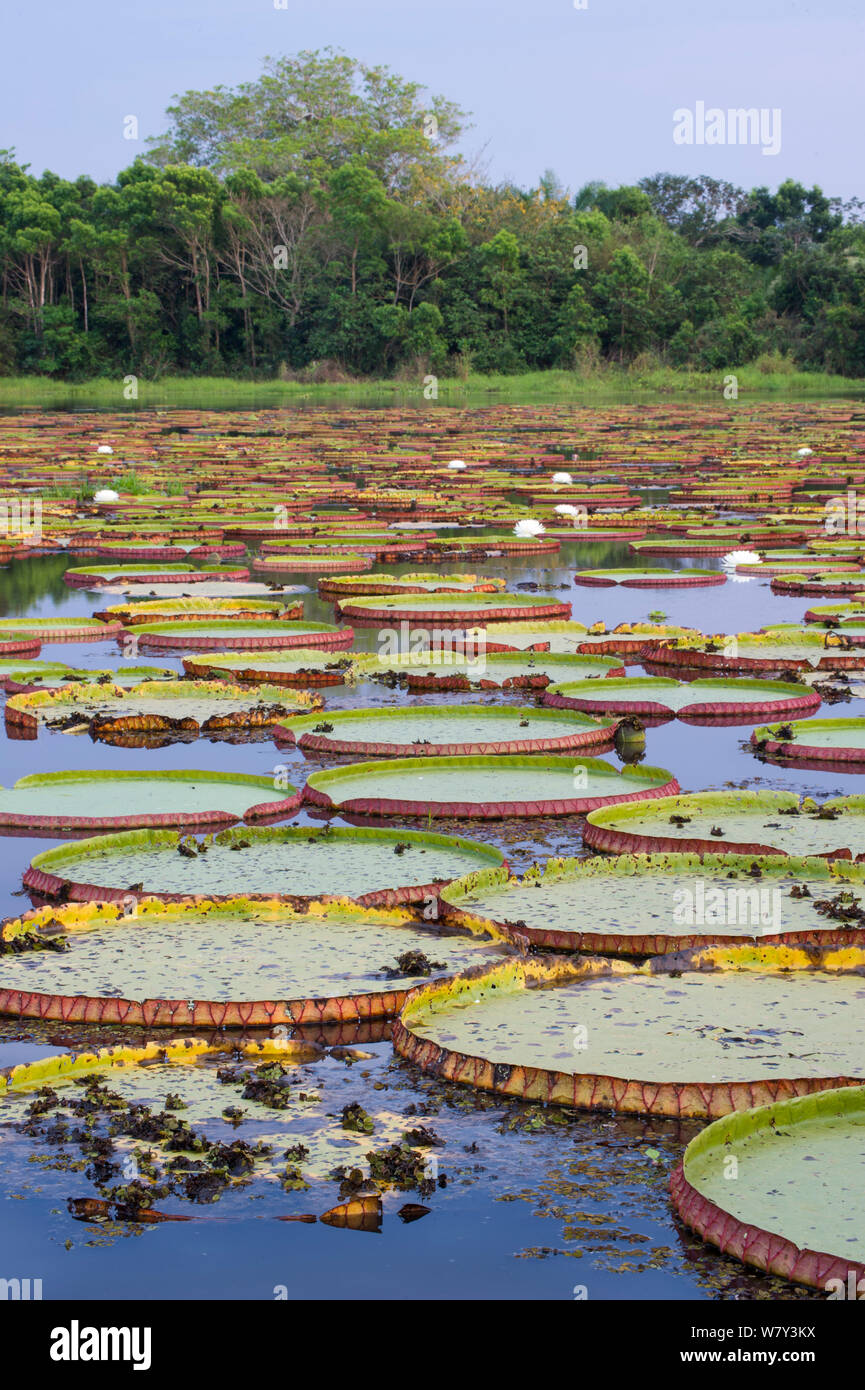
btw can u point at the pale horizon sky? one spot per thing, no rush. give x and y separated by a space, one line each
589 93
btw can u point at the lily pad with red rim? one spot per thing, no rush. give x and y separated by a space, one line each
237 962
733 822
375 866
814 742
444 730
455 610
650 577
485 788
240 635
795 1209
51 802
695 1033
650 904
703 701
155 706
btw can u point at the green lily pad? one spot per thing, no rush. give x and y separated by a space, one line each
446 730
733 822
294 861
484 787
636 904
54 801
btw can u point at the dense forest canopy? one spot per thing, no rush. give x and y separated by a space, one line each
320 215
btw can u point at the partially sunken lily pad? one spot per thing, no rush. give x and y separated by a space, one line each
733 822
796 1206
18 676
560 637
297 666
240 635
443 669
785 647
695 1033
710 701
486 788
234 963
380 867
155 707
650 577
52 802
126 1090
639 905
443 730
814 741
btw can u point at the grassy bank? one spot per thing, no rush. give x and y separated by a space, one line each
611 385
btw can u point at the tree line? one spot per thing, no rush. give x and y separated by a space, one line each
319 219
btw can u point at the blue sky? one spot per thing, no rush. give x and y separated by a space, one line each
590 93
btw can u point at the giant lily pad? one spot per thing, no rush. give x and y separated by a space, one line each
378 867
297 666
444 730
486 788
98 575
639 905
795 1208
64 629
155 707
706 701
298 562
785 647
340 586
695 1033
444 669
457 610
813 742
650 578
733 822
51 802
238 635
16 677
236 963
201 609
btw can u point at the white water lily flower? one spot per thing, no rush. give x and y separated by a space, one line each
567 509
106 494
528 527
456 465
803 453
104 449
740 557
562 478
